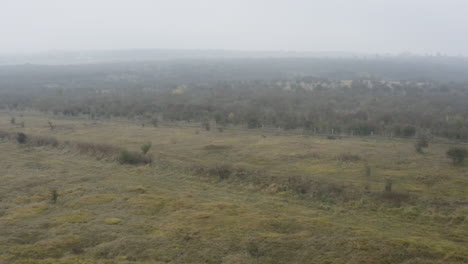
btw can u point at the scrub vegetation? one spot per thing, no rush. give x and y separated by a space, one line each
236 196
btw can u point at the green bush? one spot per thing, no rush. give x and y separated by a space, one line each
457 155
145 148
128 157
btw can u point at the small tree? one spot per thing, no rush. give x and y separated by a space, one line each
206 126
51 126
457 155
253 122
134 158
155 121
421 143
388 185
145 148
54 195
21 138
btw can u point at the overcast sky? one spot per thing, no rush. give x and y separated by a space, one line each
374 26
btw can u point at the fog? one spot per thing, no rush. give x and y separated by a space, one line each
371 26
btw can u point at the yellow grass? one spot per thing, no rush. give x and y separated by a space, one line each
166 213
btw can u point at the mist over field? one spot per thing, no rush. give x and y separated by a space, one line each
233 132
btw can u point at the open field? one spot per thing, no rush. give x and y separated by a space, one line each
282 199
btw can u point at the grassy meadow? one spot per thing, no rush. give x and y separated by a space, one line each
237 196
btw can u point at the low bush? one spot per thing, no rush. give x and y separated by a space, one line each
457 155
21 138
145 148
121 155
223 172
129 157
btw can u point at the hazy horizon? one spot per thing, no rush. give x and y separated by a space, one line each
363 26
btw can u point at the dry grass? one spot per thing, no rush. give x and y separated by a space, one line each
287 199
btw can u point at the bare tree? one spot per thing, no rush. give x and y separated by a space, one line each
51 126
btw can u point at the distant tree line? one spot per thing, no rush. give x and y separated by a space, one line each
363 106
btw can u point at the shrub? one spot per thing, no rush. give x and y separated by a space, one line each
128 157
457 155
21 138
145 148
421 143
54 195
222 171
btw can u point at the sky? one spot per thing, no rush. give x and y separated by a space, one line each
365 26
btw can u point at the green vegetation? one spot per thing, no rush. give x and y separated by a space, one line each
241 196
128 157
145 148
21 138
317 96
457 155
421 143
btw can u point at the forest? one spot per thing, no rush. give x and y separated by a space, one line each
394 96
